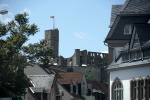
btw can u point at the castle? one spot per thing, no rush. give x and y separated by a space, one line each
79 58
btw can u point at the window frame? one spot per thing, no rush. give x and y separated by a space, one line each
116 81
129 28
142 88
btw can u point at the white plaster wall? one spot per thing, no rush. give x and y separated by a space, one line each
90 98
125 76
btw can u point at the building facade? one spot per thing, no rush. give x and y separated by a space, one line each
129 61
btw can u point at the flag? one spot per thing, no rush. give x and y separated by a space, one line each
52 17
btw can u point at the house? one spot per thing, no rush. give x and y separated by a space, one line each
129 51
97 90
122 19
44 87
44 84
75 83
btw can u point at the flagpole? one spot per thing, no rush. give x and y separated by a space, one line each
53 23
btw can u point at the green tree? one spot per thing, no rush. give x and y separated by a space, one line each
13 35
38 53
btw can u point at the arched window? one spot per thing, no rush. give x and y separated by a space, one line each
117 90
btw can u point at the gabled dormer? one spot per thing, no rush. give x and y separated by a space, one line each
135 44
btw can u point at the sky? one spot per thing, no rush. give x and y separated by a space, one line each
82 24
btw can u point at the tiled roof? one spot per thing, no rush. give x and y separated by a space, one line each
41 82
143 32
67 77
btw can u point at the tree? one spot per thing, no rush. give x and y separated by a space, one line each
38 53
13 35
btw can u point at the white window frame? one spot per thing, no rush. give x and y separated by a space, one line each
118 89
127 27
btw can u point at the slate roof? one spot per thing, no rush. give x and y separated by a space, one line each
41 82
34 70
77 96
119 64
143 32
136 7
98 86
67 77
114 12
130 7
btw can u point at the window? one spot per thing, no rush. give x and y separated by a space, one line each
117 91
136 42
148 89
146 53
148 22
140 88
136 55
71 87
134 90
127 29
125 57
76 88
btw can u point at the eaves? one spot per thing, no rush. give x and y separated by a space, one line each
129 65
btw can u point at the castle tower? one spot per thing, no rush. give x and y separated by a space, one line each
52 37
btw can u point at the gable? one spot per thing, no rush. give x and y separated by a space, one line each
135 41
143 31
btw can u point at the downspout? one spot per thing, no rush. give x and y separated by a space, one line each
107 45
108 72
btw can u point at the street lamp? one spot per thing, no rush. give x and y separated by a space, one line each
3 12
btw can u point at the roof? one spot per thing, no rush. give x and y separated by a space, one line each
114 11
143 32
136 7
119 64
67 77
98 86
41 82
79 97
54 71
34 70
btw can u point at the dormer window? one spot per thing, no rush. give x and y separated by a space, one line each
148 21
127 29
71 86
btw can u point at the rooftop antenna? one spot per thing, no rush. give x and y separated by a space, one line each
53 22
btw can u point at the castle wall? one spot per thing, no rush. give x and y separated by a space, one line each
95 71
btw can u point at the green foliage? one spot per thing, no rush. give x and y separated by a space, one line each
91 78
13 35
38 53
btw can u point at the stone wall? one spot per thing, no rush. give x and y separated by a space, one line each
98 73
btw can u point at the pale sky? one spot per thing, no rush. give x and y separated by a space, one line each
82 24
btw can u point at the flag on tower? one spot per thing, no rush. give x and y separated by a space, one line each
52 17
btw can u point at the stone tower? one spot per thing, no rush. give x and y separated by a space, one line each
52 37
